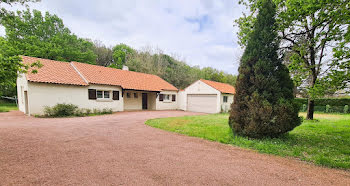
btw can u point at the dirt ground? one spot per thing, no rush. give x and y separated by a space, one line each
119 149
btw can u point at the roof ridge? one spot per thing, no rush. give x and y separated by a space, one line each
80 74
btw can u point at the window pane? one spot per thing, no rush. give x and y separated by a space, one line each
225 99
128 95
106 94
167 97
99 94
135 95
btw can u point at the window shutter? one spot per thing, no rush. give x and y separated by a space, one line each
115 95
92 93
161 97
173 97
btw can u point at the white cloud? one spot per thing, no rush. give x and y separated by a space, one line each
200 31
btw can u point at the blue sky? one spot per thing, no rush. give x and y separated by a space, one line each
200 32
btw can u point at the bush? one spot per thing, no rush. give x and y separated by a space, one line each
335 105
304 108
346 109
65 110
328 108
60 110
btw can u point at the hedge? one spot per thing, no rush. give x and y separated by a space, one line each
326 104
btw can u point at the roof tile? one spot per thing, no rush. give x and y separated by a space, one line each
222 87
65 73
53 72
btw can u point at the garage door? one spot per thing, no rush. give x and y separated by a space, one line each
202 103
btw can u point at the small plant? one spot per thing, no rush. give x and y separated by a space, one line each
106 111
96 111
48 111
80 112
328 108
304 107
88 111
346 109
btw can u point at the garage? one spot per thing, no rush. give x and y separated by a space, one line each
206 103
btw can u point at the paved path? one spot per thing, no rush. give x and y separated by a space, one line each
120 149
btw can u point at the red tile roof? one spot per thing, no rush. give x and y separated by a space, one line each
127 79
53 72
222 87
76 73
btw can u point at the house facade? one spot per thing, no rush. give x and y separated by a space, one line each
206 96
91 87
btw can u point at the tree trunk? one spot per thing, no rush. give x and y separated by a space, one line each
311 101
310 109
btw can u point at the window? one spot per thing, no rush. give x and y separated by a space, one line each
115 95
135 95
225 99
102 94
99 94
128 95
105 94
173 97
167 97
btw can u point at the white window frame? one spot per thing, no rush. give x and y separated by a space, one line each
103 95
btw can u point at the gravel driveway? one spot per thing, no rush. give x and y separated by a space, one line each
120 149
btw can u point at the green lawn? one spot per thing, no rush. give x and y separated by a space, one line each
5 107
324 142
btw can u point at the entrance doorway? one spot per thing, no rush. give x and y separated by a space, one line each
144 101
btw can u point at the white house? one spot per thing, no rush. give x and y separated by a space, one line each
90 86
206 96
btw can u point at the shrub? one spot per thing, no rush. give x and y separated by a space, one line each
106 111
336 104
304 108
346 109
264 103
48 111
61 110
96 111
80 112
64 110
87 111
328 108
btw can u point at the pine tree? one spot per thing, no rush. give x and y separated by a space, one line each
264 102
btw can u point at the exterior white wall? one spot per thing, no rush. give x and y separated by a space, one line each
182 100
152 97
225 107
200 87
45 94
167 104
22 85
133 103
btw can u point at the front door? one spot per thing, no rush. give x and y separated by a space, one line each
144 101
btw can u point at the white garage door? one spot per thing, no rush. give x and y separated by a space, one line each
202 103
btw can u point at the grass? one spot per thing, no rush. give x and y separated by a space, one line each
325 141
5 107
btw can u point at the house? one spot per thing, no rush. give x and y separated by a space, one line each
206 96
91 87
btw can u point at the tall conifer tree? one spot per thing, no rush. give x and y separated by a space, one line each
264 101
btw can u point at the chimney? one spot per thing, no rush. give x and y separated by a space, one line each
125 68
